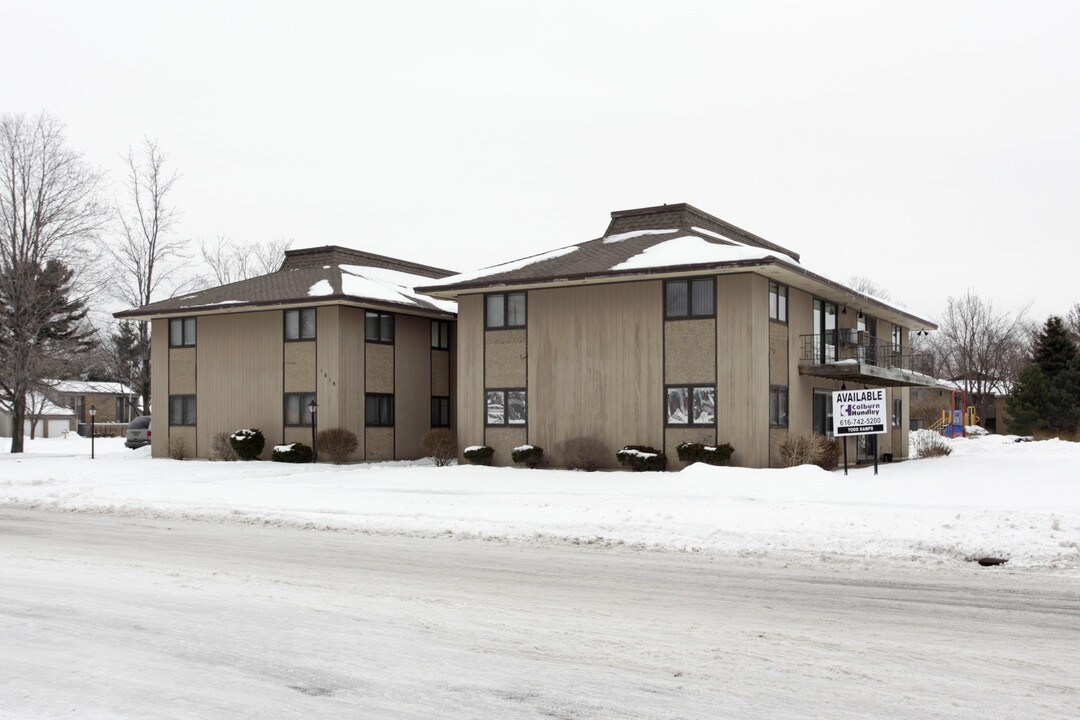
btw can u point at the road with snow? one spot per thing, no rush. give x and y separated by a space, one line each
103 616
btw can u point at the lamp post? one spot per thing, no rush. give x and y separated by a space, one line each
93 412
313 408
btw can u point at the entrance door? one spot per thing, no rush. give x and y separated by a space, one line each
867 448
823 413
868 338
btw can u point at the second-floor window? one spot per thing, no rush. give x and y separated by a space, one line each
440 335
690 298
778 302
379 327
504 310
182 332
896 339
300 324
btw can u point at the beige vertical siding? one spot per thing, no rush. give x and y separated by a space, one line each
327 376
350 378
240 376
412 385
742 393
503 440
379 367
595 365
689 351
440 372
300 366
504 359
182 363
159 388
469 398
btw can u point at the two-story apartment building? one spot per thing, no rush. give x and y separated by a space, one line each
339 328
673 326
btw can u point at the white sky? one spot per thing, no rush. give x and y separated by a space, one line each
933 146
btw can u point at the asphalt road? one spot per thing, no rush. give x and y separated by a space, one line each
106 616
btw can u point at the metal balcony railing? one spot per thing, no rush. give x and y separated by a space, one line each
848 344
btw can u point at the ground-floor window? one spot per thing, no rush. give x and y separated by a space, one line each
778 406
181 409
823 413
691 405
506 407
440 412
897 412
297 411
379 410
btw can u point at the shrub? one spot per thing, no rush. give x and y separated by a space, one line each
642 457
710 454
440 445
479 454
221 449
583 453
291 453
810 449
338 443
927 444
528 455
177 448
247 443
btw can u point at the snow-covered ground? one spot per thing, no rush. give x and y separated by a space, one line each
992 497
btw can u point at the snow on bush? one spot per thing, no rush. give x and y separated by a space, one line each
479 454
528 455
640 458
248 443
927 444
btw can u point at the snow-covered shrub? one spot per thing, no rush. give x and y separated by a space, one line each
582 453
338 443
927 444
247 443
220 449
642 457
810 449
528 455
177 448
440 445
710 454
291 453
479 454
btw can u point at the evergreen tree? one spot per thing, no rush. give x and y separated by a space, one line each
1026 405
1063 399
1053 348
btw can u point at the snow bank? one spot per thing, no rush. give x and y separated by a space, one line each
991 497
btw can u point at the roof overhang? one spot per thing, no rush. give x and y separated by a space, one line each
234 308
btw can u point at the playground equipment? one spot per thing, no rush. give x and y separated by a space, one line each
957 417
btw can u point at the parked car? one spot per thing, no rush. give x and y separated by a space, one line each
138 432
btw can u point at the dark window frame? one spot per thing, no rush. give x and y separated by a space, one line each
690 314
379 421
778 419
689 387
184 420
436 414
183 332
305 398
506 311
898 412
300 324
774 289
380 315
506 414
438 341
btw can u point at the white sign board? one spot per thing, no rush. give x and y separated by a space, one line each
859 412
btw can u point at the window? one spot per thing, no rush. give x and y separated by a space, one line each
896 339
181 409
690 298
125 409
691 405
296 408
778 405
300 324
505 407
824 331
440 412
440 335
897 412
823 419
504 310
378 410
379 327
778 302
182 332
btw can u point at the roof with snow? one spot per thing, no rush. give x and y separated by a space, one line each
88 387
37 405
320 275
665 239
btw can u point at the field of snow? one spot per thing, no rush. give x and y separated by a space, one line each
992 497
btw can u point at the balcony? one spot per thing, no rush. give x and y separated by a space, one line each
851 355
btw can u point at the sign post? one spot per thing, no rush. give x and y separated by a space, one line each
859 412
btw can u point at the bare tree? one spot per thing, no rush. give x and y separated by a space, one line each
980 347
1072 323
866 286
149 259
49 209
232 261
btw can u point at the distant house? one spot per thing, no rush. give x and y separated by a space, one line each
44 419
339 327
674 326
929 402
115 403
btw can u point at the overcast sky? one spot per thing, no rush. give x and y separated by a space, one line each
932 146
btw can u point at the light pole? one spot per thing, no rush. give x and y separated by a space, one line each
313 408
93 412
